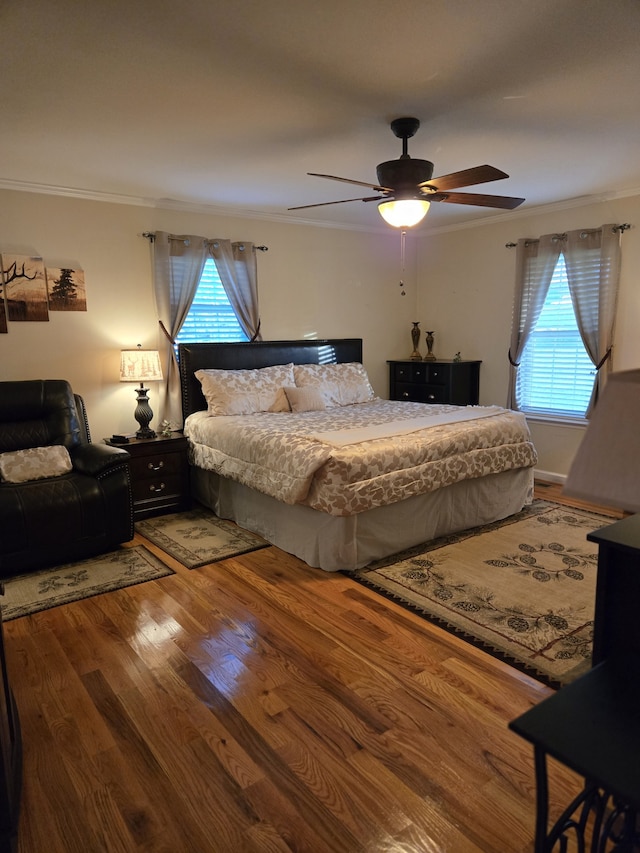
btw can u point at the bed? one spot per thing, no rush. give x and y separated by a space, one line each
305 455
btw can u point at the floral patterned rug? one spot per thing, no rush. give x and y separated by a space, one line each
523 589
198 537
36 591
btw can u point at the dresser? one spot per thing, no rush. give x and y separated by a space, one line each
441 381
159 475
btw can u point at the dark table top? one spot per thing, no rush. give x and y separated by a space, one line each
592 726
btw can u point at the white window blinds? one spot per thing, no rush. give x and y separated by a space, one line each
211 318
556 376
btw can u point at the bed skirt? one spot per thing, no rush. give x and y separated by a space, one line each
337 543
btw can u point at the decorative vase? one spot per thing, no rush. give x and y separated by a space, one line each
429 356
415 339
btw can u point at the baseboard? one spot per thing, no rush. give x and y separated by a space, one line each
549 477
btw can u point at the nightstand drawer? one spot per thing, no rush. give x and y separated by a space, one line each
162 464
158 486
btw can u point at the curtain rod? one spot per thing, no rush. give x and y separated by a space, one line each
150 236
624 227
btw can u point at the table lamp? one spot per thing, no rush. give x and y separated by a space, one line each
141 365
606 468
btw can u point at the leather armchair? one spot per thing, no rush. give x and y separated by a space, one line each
78 514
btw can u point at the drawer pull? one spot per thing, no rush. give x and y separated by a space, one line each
405 393
431 396
156 489
155 466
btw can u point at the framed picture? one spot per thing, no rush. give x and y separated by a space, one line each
66 289
3 311
25 288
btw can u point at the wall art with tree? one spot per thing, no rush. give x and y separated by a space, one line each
25 289
66 289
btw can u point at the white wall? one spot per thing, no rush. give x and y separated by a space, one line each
466 282
313 282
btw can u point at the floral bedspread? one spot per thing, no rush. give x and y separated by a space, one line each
283 454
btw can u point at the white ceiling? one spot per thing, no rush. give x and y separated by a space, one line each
229 104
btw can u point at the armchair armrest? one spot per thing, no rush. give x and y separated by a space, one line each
95 460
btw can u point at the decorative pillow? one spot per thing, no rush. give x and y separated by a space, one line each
342 384
243 392
309 399
34 463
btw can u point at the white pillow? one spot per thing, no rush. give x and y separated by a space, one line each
243 392
34 463
341 384
307 399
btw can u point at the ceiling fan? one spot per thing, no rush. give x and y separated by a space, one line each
406 188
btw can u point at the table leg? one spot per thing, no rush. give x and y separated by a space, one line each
542 799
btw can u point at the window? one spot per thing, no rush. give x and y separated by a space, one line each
211 318
556 375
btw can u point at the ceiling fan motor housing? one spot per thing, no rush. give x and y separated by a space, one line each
404 175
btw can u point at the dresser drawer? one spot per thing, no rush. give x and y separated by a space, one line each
421 393
421 372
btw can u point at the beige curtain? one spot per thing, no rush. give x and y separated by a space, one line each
238 271
592 260
178 262
535 262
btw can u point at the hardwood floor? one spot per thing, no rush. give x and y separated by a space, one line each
259 705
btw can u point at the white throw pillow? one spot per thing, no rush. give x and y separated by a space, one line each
34 463
307 399
243 392
341 384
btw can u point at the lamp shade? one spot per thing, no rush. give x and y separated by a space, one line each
606 468
404 212
140 365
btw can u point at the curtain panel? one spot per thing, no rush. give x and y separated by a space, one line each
177 265
592 261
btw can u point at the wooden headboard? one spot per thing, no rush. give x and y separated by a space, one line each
249 356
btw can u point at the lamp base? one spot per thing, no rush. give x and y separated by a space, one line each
143 414
146 433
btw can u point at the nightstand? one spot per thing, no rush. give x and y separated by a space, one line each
444 381
159 475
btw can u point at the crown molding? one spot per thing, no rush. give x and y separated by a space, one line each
176 204
525 212
242 213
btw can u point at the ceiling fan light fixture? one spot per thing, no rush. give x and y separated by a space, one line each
404 212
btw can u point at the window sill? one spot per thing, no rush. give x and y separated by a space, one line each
556 420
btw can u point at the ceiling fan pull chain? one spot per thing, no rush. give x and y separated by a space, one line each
403 240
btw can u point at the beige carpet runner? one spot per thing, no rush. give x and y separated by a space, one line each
63 584
198 537
522 589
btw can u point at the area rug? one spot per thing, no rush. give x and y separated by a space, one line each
522 589
198 537
30 593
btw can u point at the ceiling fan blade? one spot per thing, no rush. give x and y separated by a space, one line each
465 178
342 201
357 183
479 200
